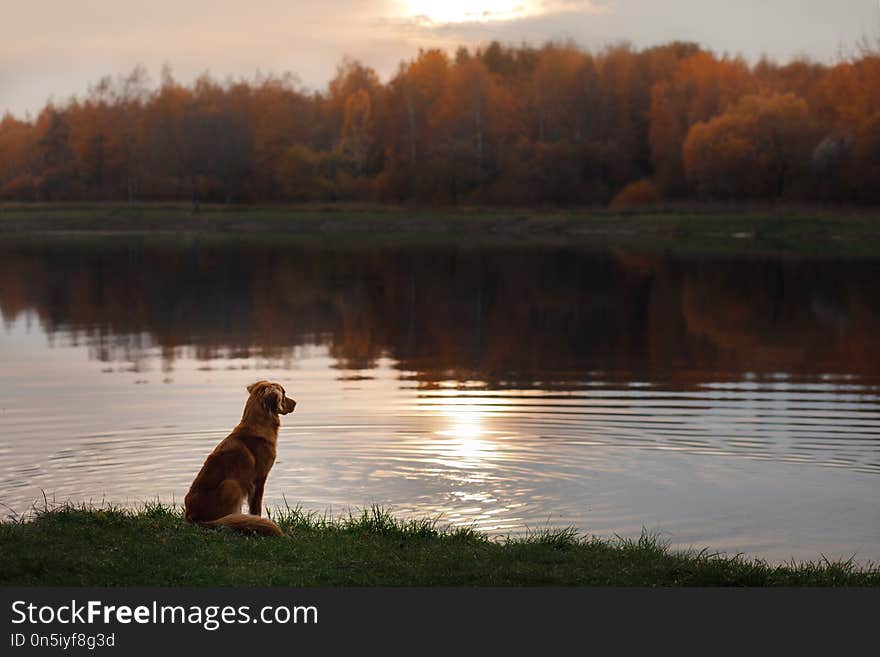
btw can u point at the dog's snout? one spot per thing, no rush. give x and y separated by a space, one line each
291 404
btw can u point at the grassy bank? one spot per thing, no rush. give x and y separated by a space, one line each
738 229
154 546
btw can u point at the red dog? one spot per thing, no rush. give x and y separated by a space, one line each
238 466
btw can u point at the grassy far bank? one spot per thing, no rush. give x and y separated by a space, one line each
734 228
154 546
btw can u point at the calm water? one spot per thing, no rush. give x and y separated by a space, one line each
729 402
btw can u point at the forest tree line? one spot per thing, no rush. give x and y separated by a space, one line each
555 125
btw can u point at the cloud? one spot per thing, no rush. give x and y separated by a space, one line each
439 16
552 6
50 48
529 20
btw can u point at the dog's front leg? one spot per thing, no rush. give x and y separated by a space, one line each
255 499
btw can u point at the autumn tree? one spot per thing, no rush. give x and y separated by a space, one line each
287 122
760 148
701 88
492 124
866 161
106 136
471 120
411 97
353 114
16 143
53 156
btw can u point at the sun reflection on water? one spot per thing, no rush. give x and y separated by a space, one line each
466 452
465 425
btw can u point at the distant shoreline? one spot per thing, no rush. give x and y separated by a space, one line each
820 230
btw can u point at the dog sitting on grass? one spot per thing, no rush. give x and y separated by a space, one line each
237 468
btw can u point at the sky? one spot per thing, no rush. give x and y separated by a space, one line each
55 49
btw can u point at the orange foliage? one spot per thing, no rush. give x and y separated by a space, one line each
553 125
753 149
638 194
701 87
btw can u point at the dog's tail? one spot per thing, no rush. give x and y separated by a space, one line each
243 522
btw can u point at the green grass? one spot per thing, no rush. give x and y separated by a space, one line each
108 546
688 228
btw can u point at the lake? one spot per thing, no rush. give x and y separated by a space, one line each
721 401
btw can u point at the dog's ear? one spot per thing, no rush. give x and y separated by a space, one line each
251 387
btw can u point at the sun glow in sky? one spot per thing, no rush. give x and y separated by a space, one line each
51 49
462 11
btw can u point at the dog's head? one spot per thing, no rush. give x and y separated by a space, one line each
272 397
